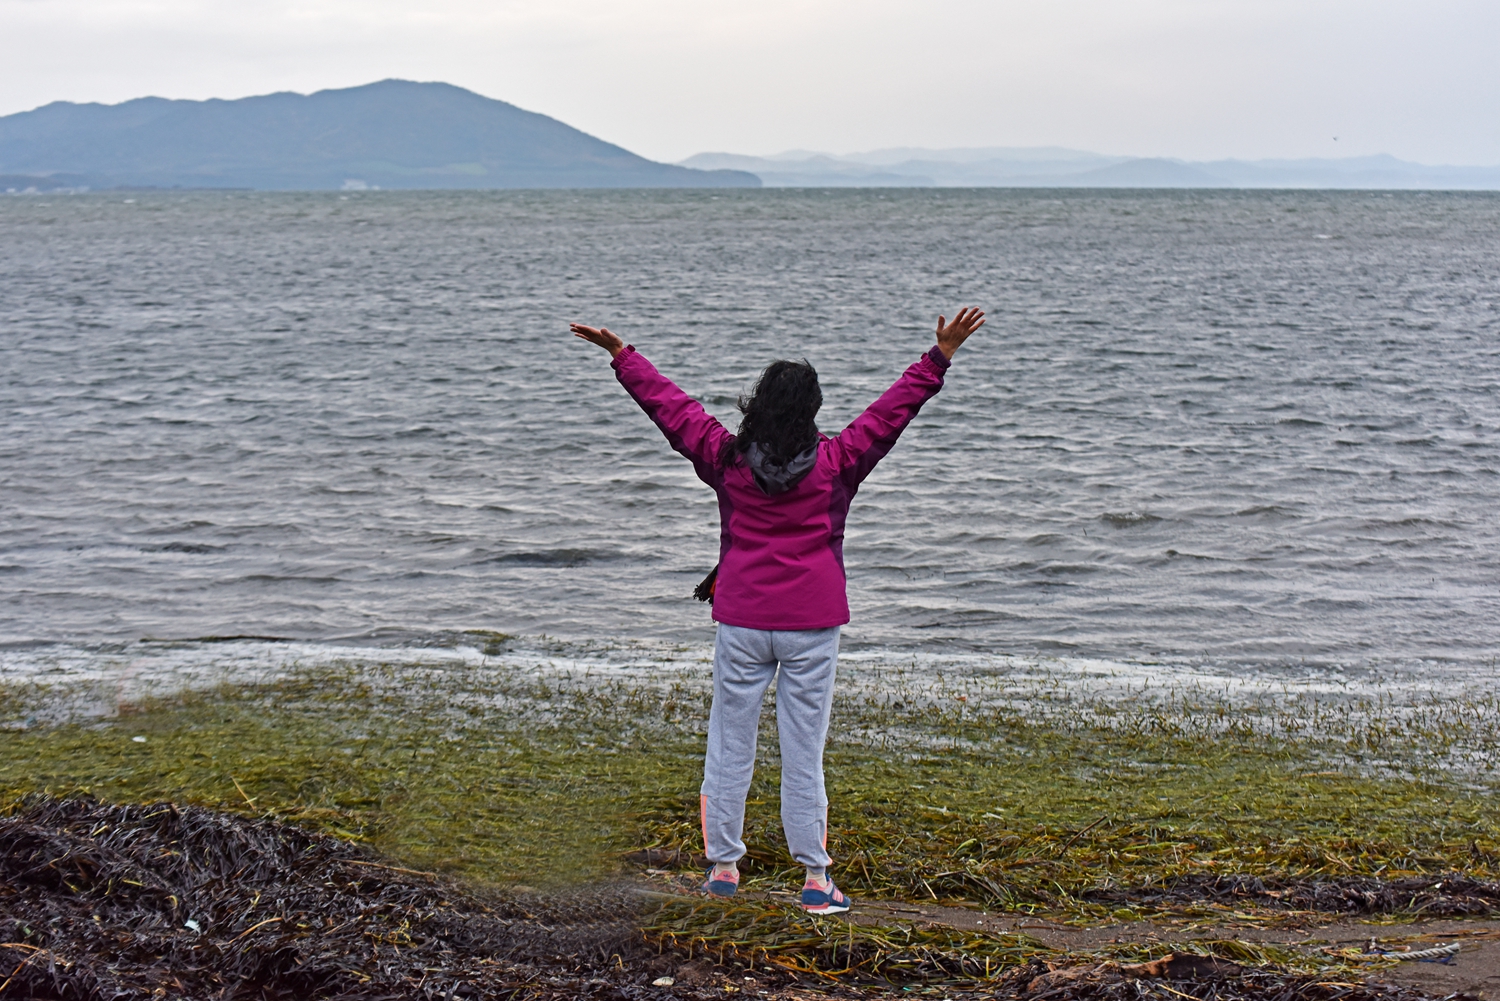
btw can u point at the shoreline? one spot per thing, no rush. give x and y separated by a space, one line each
150 667
1071 798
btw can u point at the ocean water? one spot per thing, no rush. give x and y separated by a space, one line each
1247 430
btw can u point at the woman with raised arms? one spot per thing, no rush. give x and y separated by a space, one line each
778 592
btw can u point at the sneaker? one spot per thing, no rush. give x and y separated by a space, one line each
722 884
823 899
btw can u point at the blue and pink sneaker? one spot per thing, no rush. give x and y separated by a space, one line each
722 882
823 898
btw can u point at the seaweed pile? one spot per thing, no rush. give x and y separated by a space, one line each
1443 895
102 901
1181 977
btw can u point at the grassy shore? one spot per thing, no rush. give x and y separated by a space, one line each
947 785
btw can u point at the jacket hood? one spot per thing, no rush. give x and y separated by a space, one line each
775 477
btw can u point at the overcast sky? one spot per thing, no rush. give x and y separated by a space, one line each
1197 79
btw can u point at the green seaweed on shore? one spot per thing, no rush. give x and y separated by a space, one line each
1062 815
1044 804
455 788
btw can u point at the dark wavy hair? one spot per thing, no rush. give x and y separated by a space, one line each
780 412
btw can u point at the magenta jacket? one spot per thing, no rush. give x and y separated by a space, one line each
781 557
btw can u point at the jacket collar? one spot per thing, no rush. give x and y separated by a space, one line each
775 477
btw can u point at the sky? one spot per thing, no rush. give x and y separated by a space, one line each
1193 79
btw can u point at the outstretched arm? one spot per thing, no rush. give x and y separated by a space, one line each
873 433
687 426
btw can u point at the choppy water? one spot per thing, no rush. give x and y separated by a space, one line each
1230 427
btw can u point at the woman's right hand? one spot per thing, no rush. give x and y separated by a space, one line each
951 335
600 336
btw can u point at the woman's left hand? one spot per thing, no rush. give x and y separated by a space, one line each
951 335
600 336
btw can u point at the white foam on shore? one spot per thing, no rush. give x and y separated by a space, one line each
1430 717
127 673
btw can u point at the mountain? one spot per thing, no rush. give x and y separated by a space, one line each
1147 173
1055 167
391 134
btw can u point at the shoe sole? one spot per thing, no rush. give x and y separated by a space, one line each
728 890
829 909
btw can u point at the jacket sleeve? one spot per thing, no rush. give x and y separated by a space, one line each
688 427
862 444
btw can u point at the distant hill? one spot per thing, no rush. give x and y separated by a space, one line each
1053 167
392 134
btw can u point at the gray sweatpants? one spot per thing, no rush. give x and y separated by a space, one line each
745 662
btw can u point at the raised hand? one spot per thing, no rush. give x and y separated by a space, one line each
600 336
950 336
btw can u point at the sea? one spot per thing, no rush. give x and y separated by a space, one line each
1220 431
